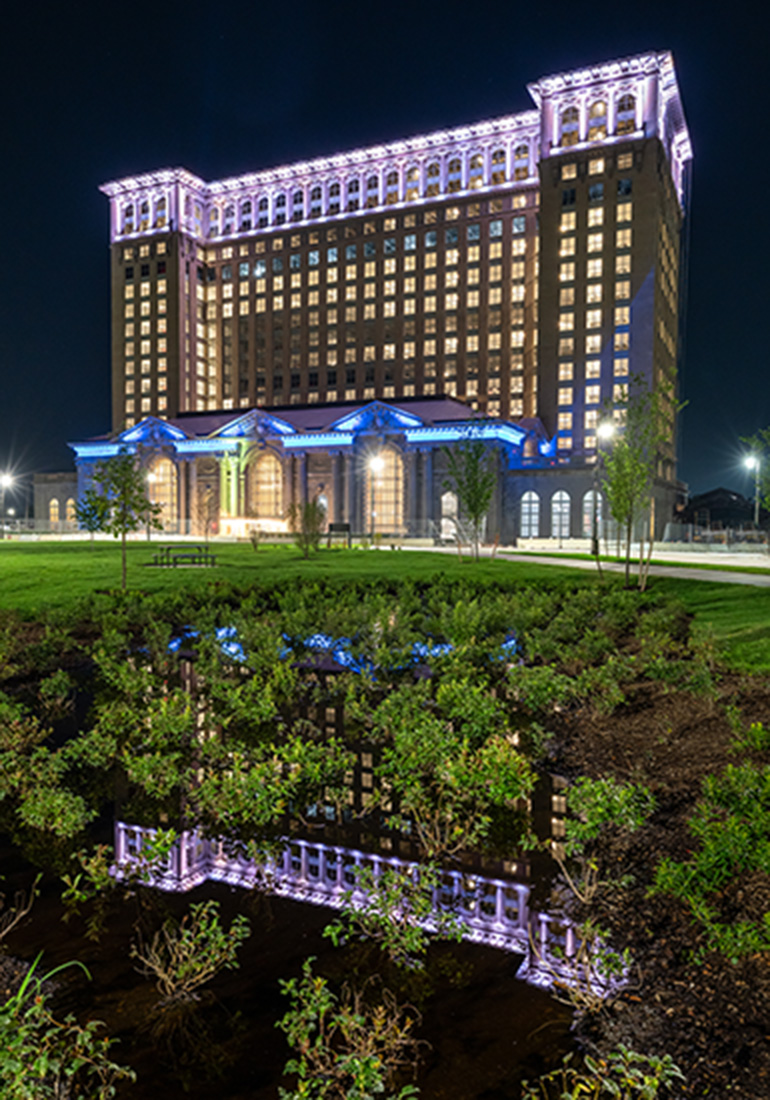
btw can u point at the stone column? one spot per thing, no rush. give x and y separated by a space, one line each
192 496
411 493
302 487
350 492
182 496
427 489
337 487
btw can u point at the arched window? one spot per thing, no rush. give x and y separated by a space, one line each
498 166
626 123
560 508
265 487
476 171
433 176
162 490
246 214
160 212
384 503
53 510
588 513
521 162
372 191
214 222
597 121
530 515
128 218
279 208
69 510
570 126
229 219
454 174
354 188
334 198
315 202
298 205
144 215
263 209
412 183
391 187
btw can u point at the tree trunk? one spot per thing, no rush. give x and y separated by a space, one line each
123 558
629 528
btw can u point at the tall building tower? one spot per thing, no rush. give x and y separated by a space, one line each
528 265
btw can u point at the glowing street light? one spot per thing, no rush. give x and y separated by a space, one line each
6 482
376 465
753 462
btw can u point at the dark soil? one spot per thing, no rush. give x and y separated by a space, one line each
713 1018
482 1028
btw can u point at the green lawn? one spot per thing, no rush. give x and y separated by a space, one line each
35 577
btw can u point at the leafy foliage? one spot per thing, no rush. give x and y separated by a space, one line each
623 1074
346 1048
122 484
472 475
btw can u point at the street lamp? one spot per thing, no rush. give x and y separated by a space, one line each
376 464
753 462
605 431
6 481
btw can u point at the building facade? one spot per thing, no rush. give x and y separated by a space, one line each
527 266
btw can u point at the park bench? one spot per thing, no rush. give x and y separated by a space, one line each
338 530
172 556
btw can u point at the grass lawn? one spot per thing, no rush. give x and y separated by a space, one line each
35 577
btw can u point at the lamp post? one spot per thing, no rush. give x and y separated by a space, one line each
376 464
6 481
753 462
606 430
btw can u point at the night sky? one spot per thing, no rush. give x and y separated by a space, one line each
94 92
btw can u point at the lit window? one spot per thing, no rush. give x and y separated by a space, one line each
567 296
596 166
624 211
568 222
565 374
564 422
595 242
498 165
621 341
593 395
597 121
567 246
565 395
622 315
593 368
570 120
596 215
623 289
566 322
620 367
593 318
625 160
569 171
566 345
620 393
593 344
626 122
594 292
566 272
591 421
623 238
622 265
594 269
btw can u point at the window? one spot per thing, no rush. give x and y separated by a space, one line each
529 527
391 187
567 296
594 269
565 394
496 228
566 322
521 162
623 238
595 242
625 186
519 223
560 515
569 171
623 212
592 511
593 368
597 121
53 510
568 222
622 315
384 492
596 216
593 318
596 166
593 344
498 166
162 490
476 173
596 192
570 121
623 289
433 177
566 272
564 422
568 196
626 119
593 395
594 292
625 161
567 246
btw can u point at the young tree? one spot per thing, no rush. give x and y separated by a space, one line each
759 445
92 511
630 466
307 522
472 476
123 487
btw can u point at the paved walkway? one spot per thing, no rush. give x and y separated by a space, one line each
664 564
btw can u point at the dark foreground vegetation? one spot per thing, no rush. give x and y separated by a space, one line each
214 707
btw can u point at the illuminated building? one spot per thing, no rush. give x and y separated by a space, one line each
527 266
